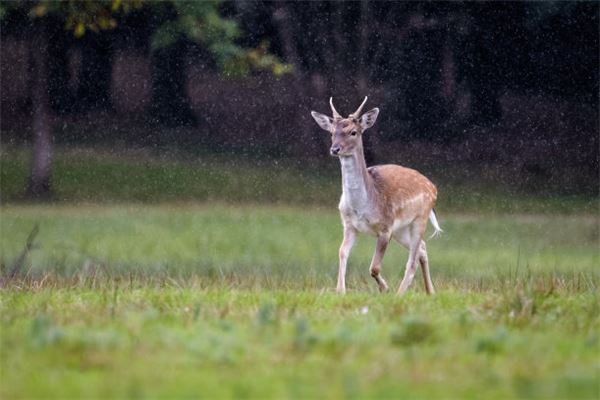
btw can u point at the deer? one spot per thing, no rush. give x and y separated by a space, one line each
385 201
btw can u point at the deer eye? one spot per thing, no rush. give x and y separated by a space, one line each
353 133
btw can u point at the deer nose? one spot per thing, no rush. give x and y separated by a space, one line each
335 150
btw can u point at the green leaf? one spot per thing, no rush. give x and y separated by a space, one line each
167 34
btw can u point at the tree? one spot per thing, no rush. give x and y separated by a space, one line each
38 186
78 17
196 22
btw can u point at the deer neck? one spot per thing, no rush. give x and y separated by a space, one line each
356 182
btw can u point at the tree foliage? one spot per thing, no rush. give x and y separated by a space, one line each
200 22
196 22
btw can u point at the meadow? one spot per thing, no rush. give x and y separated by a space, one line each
120 296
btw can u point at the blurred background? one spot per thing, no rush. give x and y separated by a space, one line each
198 101
167 199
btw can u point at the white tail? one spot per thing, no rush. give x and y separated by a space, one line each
386 201
434 222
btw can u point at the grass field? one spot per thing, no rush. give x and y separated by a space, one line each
147 176
172 277
237 301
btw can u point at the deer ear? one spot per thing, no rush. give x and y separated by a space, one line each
323 120
367 120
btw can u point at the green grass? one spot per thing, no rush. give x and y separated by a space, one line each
142 176
177 277
237 301
171 341
285 244
146 176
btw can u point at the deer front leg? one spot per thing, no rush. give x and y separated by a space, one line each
375 268
347 243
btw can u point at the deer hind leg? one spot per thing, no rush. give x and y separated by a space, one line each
415 235
347 244
424 261
375 268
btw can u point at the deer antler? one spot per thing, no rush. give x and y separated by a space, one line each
336 115
356 113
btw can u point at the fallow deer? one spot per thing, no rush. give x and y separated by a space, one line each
385 201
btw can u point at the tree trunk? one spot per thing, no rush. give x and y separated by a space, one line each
282 20
93 92
169 105
61 95
38 186
363 74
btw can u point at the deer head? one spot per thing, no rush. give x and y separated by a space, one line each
346 133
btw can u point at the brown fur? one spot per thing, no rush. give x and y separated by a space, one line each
394 184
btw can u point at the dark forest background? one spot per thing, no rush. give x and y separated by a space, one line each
507 89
